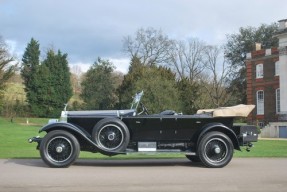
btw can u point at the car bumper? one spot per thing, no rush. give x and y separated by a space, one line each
35 139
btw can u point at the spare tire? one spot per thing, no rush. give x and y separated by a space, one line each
111 135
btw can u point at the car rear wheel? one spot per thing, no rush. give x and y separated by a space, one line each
215 149
111 135
59 149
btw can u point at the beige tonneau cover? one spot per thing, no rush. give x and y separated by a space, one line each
234 111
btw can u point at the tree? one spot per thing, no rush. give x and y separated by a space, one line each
98 86
76 75
127 88
187 59
217 82
50 87
188 95
7 69
239 44
158 84
149 45
58 82
30 65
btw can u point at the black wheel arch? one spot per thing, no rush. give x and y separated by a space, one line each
65 126
216 127
81 135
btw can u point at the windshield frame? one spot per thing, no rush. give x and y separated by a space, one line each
136 100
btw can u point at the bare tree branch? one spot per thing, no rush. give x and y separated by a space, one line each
149 45
187 58
216 86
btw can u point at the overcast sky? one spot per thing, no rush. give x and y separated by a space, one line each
87 29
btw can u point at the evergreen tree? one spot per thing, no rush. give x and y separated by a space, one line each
98 87
188 93
47 84
127 88
30 65
41 106
54 86
158 84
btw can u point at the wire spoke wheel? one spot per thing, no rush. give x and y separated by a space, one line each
215 149
110 137
59 149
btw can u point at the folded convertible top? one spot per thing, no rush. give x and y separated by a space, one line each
234 111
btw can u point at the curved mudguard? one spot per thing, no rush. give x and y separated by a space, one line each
217 127
74 129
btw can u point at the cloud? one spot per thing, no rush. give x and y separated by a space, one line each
122 65
90 29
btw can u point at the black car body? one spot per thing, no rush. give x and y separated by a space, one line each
201 137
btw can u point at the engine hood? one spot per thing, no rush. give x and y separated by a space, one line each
106 113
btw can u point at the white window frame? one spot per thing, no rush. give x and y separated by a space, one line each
260 102
259 71
261 124
277 100
277 68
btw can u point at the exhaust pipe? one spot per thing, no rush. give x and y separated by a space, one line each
248 148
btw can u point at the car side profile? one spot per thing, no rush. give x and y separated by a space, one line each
209 137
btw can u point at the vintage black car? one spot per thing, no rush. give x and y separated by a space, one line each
209 137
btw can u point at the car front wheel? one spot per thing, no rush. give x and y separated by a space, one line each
215 149
59 149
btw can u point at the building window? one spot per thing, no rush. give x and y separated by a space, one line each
277 68
261 124
260 102
259 71
277 100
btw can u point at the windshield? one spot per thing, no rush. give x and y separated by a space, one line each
136 100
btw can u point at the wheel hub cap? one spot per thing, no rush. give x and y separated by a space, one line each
111 136
59 149
217 150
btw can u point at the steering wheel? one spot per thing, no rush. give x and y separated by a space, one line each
144 109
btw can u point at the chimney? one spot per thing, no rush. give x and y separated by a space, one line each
257 46
282 24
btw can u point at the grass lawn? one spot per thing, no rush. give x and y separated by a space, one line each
14 143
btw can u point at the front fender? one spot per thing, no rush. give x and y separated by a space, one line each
217 127
78 132
66 126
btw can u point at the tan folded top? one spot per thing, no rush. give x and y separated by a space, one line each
234 111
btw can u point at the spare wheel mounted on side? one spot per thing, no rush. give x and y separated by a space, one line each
111 135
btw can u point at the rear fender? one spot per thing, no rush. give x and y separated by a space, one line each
216 127
78 132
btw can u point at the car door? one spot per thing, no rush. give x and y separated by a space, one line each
144 127
180 127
